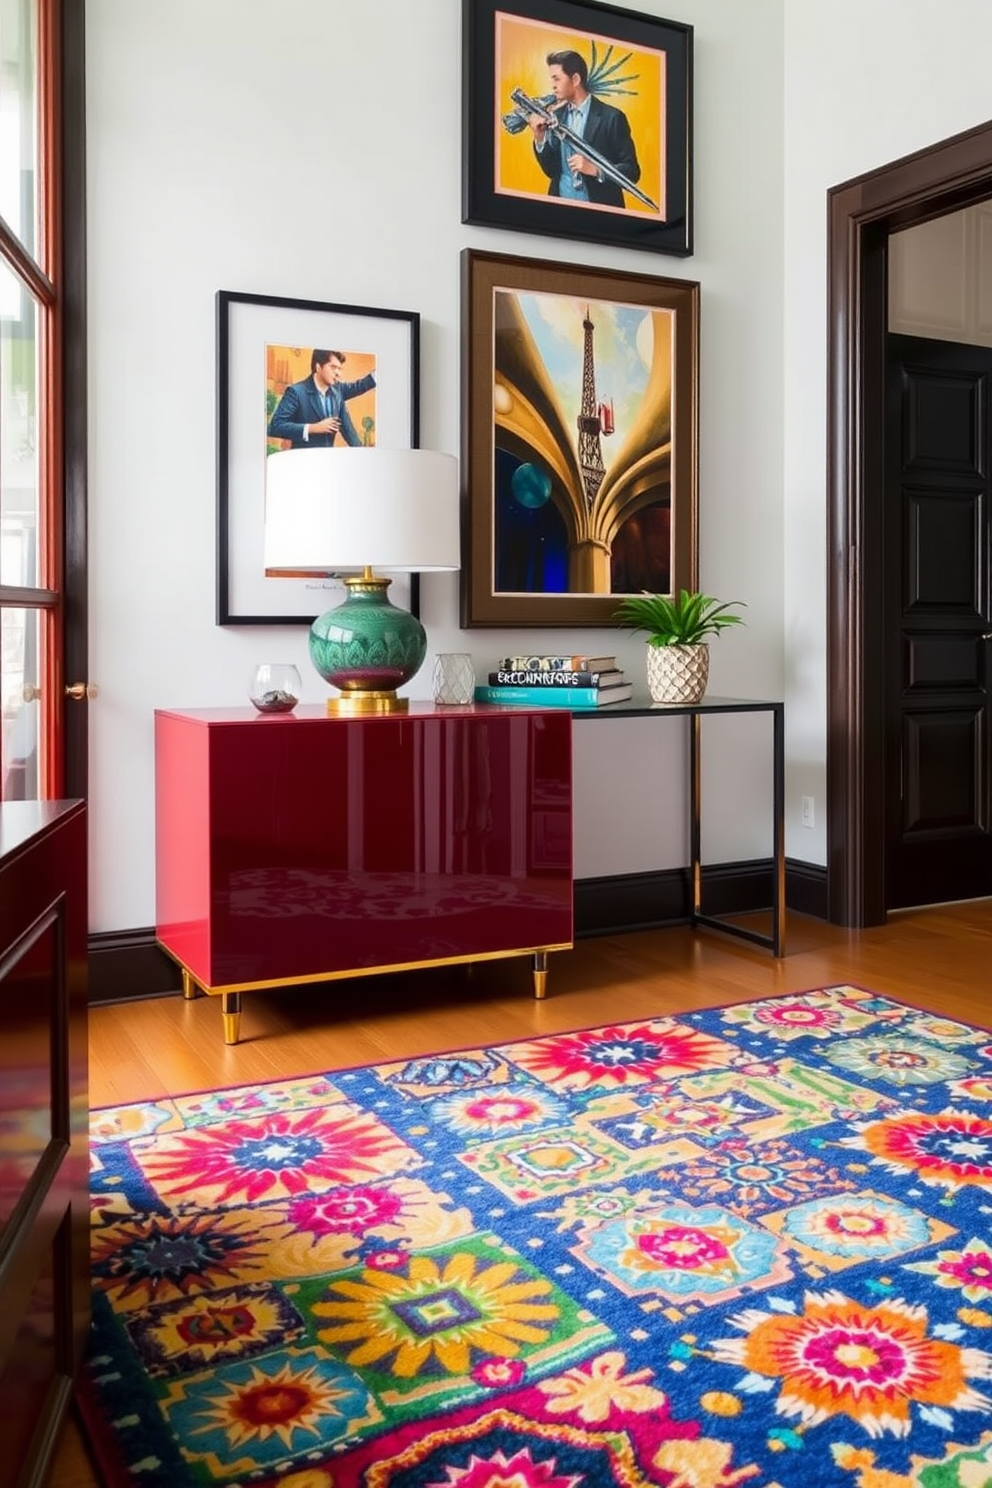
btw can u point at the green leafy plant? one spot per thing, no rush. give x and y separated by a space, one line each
683 621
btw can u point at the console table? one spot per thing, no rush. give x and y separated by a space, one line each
300 847
694 713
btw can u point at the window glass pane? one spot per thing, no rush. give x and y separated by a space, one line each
19 119
18 433
20 672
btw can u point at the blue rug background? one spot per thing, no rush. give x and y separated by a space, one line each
743 1245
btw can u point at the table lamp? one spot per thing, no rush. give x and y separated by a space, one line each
332 510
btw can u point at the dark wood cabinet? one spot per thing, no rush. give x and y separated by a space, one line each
44 1174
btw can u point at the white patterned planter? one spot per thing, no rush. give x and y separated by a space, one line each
678 674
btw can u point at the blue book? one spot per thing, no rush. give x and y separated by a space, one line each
555 697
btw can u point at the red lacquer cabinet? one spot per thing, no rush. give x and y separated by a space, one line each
302 847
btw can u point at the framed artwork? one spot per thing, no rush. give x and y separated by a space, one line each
579 438
300 374
578 122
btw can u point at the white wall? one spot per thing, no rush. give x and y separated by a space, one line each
235 144
866 82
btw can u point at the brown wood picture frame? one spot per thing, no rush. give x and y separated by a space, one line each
580 439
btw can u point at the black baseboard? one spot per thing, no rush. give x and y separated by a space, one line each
806 889
126 964
648 901
130 963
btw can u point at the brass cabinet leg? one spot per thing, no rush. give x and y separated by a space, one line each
540 974
231 1009
190 988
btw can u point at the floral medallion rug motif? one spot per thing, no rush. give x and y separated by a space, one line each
750 1245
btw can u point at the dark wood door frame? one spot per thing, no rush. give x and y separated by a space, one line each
944 178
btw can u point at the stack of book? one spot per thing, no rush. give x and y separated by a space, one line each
556 682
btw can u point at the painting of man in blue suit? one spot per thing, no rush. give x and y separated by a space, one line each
312 414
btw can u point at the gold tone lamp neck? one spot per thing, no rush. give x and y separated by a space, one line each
366 582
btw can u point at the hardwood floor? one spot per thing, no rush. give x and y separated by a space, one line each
939 958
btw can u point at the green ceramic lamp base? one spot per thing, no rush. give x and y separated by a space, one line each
367 648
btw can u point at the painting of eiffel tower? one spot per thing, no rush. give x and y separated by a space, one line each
566 485
588 453
590 422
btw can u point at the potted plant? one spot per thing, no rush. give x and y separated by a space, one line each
676 628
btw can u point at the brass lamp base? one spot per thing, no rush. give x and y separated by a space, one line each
352 703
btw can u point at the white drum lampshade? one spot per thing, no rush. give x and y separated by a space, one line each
328 511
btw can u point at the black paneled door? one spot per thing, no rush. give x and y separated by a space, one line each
936 606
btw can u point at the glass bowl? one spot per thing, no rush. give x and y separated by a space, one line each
275 687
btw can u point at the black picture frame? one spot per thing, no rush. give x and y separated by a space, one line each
524 413
249 327
504 45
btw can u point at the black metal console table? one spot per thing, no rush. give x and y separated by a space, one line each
696 712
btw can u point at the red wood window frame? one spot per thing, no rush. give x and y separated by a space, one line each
40 276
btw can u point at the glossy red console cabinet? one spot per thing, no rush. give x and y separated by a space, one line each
299 847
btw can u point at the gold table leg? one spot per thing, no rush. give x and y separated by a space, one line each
231 1010
540 974
190 988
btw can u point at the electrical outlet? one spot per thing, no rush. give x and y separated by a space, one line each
807 811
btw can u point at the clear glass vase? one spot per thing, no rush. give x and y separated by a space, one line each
454 678
275 687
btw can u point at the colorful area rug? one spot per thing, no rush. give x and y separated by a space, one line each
742 1246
